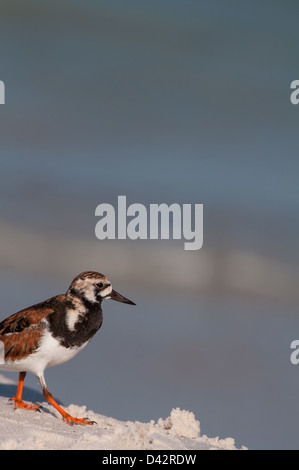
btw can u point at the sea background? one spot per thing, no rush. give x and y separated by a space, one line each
174 102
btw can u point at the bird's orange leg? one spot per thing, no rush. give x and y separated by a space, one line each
67 417
18 398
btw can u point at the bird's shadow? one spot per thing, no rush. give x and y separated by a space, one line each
29 394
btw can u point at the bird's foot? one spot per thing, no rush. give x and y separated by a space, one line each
83 421
25 406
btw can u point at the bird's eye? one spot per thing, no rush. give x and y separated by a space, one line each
100 285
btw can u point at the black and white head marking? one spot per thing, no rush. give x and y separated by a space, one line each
90 286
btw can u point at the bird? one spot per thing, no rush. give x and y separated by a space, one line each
52 332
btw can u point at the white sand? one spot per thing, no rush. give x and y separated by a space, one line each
21 429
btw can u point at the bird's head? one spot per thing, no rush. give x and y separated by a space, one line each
95 288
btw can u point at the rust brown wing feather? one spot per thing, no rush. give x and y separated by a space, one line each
20 345
22 331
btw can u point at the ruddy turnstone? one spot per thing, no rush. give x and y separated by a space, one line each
53 332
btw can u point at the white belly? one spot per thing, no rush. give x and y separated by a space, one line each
49 353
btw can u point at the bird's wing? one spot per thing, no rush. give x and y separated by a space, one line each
22 331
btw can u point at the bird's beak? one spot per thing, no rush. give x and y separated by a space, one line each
120 298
